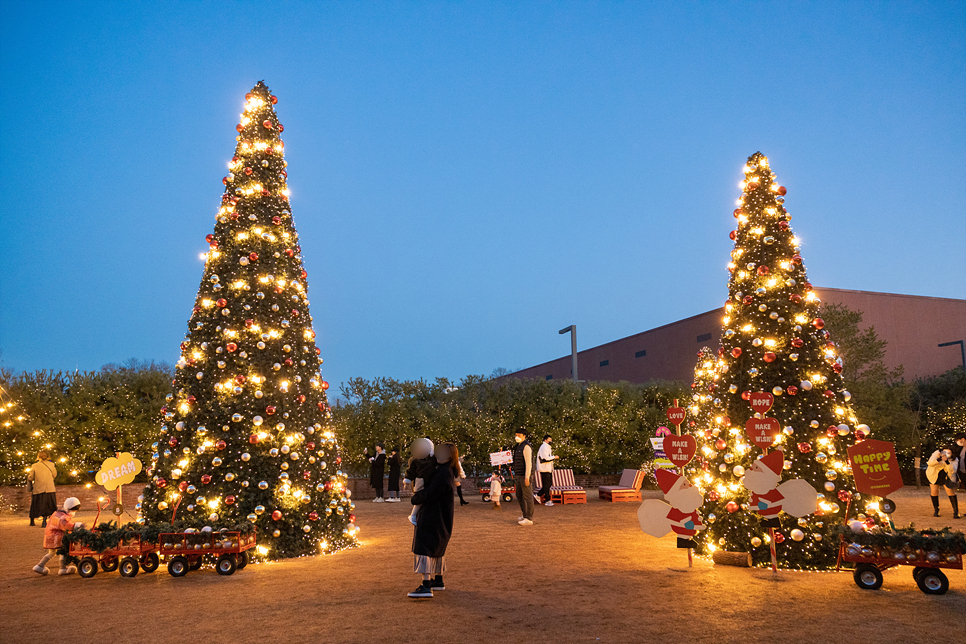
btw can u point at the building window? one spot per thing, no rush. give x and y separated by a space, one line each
604 363
550 377
704 337
640 354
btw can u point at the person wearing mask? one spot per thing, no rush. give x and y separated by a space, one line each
394 468
942 470
377 471
61 522
522 473
435 525
545 459
43 499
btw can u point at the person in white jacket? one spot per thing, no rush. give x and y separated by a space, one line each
545 459
941 469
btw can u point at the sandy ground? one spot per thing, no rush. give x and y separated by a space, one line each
583 573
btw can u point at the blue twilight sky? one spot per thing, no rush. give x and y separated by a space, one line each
468 177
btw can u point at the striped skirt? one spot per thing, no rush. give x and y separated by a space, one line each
429 565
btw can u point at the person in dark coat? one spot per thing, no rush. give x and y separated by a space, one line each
377 471
394 469
435 525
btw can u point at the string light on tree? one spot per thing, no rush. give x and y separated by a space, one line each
773 341
246 431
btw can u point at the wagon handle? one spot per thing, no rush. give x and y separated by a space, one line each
107 502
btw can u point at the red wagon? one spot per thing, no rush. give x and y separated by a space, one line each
187 550
130 556
871 561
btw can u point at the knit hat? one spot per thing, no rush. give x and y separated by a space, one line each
669 480
774 461
71 504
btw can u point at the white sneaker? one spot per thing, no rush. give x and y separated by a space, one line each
69 570
548 503
41 570
378 499
525 522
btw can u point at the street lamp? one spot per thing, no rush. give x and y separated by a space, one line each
572 330
962 349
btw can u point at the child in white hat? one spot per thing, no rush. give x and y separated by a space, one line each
60 523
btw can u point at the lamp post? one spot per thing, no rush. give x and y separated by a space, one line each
572 329
962 349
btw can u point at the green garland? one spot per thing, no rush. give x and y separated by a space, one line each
945 541
108 535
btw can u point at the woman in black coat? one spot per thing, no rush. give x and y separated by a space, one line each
434 524
394 468
377 471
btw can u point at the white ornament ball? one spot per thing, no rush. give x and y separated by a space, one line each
864 429
797 535
843 430
806 385
738 471
856 526
243 261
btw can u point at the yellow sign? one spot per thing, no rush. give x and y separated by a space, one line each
119 470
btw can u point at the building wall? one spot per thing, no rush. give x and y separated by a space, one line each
912 325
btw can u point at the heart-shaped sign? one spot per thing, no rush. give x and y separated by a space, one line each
675 415
762 431
680 449
761 401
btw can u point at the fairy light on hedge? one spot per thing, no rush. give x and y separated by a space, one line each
252 296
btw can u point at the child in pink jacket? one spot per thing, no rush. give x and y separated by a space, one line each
60 523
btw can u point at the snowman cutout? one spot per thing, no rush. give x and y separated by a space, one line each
795 497
678 515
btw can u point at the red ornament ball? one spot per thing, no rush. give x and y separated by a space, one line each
731 507
321 406
338 460
274 99
829 394
783 225
192 399
720 444
713 495
276 220
791 390
289 362
302 398
231 346
295 313
220 445
733 235
798 343
736 353
209 238
304 274
769 356
253 256
313 516
222 302
183 485
746 395
239 128
290 252
747 300
753 185
779 537
248 96
352 518
310 446
240 379
782 190
161 483
818 323
739 212
267 124
797 259
253 439
248 170
229 500
844 496
281 128
249 323
325 384
173 442
795 298
270 410
804 448
837 368
832 431
205 479
763 270
276 515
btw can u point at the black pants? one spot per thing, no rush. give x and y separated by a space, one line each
546 480
378 492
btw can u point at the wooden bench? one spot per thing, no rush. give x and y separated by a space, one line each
564 489
628 489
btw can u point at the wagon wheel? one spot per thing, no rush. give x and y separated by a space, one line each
932 581
109 564
241 560
507 498
867 577
196 562
226 564
178 566
129 567
87 567
150 562
486 498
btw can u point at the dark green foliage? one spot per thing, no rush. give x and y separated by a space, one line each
945 541
598 428
246 426
109 535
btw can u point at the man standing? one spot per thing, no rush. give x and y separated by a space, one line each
377 471
522 471
961 442
545 459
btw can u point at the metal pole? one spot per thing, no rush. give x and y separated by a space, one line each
962 349
572 329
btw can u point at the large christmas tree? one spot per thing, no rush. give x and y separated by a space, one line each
772 341
246 432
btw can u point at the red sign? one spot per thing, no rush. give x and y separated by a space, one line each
761 401
680 449
675 415
875 467
762 431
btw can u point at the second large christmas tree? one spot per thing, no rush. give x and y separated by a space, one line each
772 341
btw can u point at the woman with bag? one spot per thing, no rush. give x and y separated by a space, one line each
941 470
435 525
43 500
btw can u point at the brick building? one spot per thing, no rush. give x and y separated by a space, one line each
912 325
